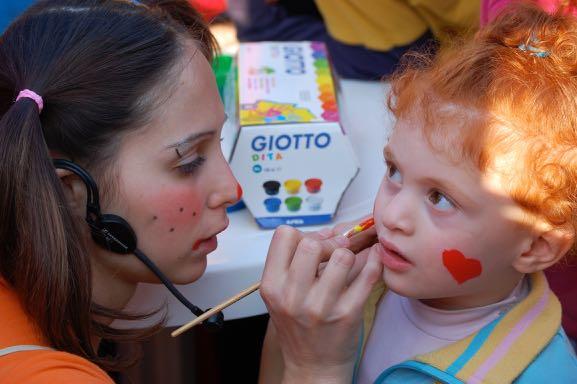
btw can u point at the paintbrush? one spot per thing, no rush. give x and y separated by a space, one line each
361 227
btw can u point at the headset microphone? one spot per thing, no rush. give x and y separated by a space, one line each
114 233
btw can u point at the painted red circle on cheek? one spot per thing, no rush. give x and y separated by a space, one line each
238 191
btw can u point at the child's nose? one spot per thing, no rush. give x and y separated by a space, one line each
397 214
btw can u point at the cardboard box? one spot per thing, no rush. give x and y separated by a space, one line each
291 155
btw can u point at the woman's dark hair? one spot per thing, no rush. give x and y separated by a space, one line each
98 65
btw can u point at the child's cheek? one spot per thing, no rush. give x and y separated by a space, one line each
174 210
461 267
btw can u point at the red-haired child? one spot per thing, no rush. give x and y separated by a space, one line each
478 199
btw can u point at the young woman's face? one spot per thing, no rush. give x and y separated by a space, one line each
447 232
173 183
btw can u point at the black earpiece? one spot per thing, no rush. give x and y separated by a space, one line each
109 231
114 233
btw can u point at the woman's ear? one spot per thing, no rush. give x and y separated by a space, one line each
545 250
74 190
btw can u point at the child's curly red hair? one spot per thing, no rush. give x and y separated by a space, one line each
486 99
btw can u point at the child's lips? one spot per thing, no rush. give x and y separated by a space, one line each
391 257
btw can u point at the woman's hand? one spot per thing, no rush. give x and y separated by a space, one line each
358 243
317 319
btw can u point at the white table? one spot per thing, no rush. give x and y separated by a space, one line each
239 259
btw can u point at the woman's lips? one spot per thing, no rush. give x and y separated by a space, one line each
207 245
391 258
210 243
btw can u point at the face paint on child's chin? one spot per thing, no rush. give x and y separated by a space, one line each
461 268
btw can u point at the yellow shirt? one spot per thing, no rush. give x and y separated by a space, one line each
383 24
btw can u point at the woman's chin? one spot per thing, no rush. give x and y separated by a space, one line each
192 273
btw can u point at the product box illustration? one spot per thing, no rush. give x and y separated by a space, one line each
291 155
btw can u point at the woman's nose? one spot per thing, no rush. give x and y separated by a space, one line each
225 187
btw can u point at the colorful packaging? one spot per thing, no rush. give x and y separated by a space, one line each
291 155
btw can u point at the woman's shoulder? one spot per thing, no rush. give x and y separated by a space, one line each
49 366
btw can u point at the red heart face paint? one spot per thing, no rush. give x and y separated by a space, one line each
238 191
460 267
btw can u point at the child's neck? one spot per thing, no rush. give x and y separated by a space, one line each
475 300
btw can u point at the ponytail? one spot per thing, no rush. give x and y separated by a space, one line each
42 254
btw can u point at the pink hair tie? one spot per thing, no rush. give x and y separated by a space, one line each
32 95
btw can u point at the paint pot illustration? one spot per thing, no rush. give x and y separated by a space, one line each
293 203
271 187
313 185
272 204
292 186
314 203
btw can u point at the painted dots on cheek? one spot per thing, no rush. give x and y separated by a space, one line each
171 210
460 267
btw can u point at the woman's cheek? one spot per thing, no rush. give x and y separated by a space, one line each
173 210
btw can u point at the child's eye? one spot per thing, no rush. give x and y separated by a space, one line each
189 168
440 201
393 173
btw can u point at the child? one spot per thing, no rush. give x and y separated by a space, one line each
479 197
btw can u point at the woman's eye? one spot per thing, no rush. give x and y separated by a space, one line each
393 173
189 168
440 201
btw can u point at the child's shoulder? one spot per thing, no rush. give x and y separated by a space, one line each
556 363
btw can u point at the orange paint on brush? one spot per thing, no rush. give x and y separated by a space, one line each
362 226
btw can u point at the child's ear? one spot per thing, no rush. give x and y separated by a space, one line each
545 250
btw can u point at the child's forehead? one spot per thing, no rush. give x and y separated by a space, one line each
411 144
442 127
461 133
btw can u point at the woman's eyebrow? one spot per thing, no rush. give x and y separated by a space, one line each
191 138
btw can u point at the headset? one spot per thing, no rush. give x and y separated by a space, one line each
114 233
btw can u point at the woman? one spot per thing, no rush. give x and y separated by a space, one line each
126 92
109 141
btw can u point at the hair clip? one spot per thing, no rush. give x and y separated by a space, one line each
533 51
